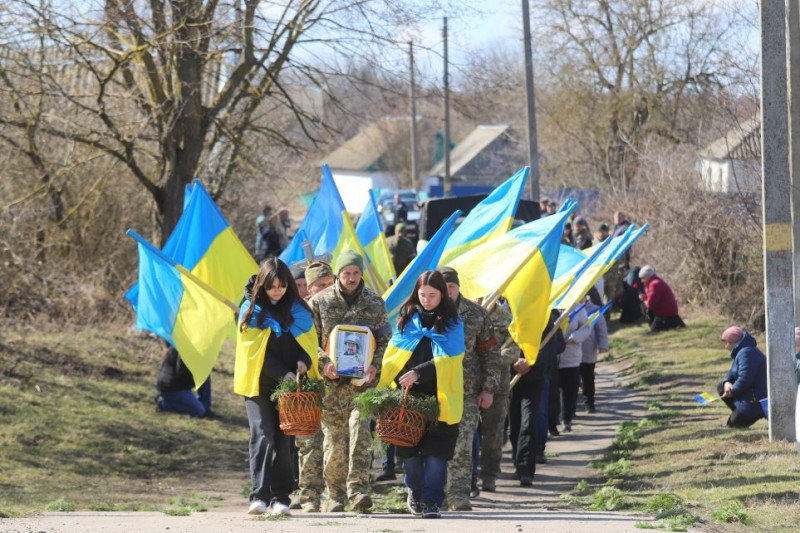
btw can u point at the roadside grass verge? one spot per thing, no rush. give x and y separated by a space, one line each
679 462
80 429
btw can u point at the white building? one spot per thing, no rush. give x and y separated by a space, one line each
732 164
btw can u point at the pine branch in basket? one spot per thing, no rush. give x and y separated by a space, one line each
372 401
306 385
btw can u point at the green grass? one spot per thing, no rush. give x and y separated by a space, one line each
680 463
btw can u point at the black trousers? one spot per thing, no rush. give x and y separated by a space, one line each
661 323
270 454
569 392
526 399
587 380
739 419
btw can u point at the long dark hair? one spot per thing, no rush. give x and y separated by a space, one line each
273 269
446 314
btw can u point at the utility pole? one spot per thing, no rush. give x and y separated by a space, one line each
446 184
533 150
777 216
794 159
414 181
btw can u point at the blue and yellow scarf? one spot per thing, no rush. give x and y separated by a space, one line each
448 356
251 345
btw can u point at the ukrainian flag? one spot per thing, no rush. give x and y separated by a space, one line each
704 398
597 314
604 259
448 358
204 244
519 264
572 264
427 259
185 313
369 230
251 345
330 230
490 218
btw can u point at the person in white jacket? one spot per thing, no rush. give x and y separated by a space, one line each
596 342
569 365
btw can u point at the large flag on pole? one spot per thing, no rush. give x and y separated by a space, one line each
184 311
520 264
204 243
575 264
427 259
369 230
329 228
490 218
603 260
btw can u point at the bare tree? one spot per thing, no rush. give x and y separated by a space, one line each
171 89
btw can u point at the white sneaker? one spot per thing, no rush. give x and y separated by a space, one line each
279 509
257 507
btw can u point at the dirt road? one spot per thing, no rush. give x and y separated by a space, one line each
511 509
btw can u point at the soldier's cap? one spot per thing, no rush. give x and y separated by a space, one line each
399 227
349 258
317 270
298 273
450 275
352 337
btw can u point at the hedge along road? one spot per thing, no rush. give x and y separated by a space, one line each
510 509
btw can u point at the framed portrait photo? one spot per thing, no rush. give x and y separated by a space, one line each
351 350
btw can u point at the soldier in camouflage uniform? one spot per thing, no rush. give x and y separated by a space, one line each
312 484
481 383
346 433
493 418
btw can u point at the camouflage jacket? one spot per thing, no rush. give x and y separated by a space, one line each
482 354
509 353
331 309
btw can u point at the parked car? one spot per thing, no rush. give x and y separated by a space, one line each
386 209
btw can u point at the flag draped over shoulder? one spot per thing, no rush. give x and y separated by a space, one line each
204 243
251 345
179 310
448 357
490 218
329 228
604 256
427 259
519 264
369 230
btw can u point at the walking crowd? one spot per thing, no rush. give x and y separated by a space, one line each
443 346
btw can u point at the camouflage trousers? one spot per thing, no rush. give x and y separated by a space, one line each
459 470
312 484
493 424
347 446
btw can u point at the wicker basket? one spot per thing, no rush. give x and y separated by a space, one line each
299 412
399 426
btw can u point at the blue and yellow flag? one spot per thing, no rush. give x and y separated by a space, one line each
251 345
192 318
605 255
369 230
448 357
330 230
490 218
575 264
427 259
705 398
204 243
520 264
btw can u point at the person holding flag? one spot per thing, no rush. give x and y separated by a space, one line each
425 354
596 342
569 365
347 437
276 340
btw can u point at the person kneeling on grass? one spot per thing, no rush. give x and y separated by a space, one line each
746 382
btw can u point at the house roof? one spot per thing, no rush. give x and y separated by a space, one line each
368 145
468 149
741 142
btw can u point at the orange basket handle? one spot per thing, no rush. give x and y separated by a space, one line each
401 416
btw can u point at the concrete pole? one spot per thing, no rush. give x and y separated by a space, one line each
414 181
794 151
776 207
533 150
446 184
